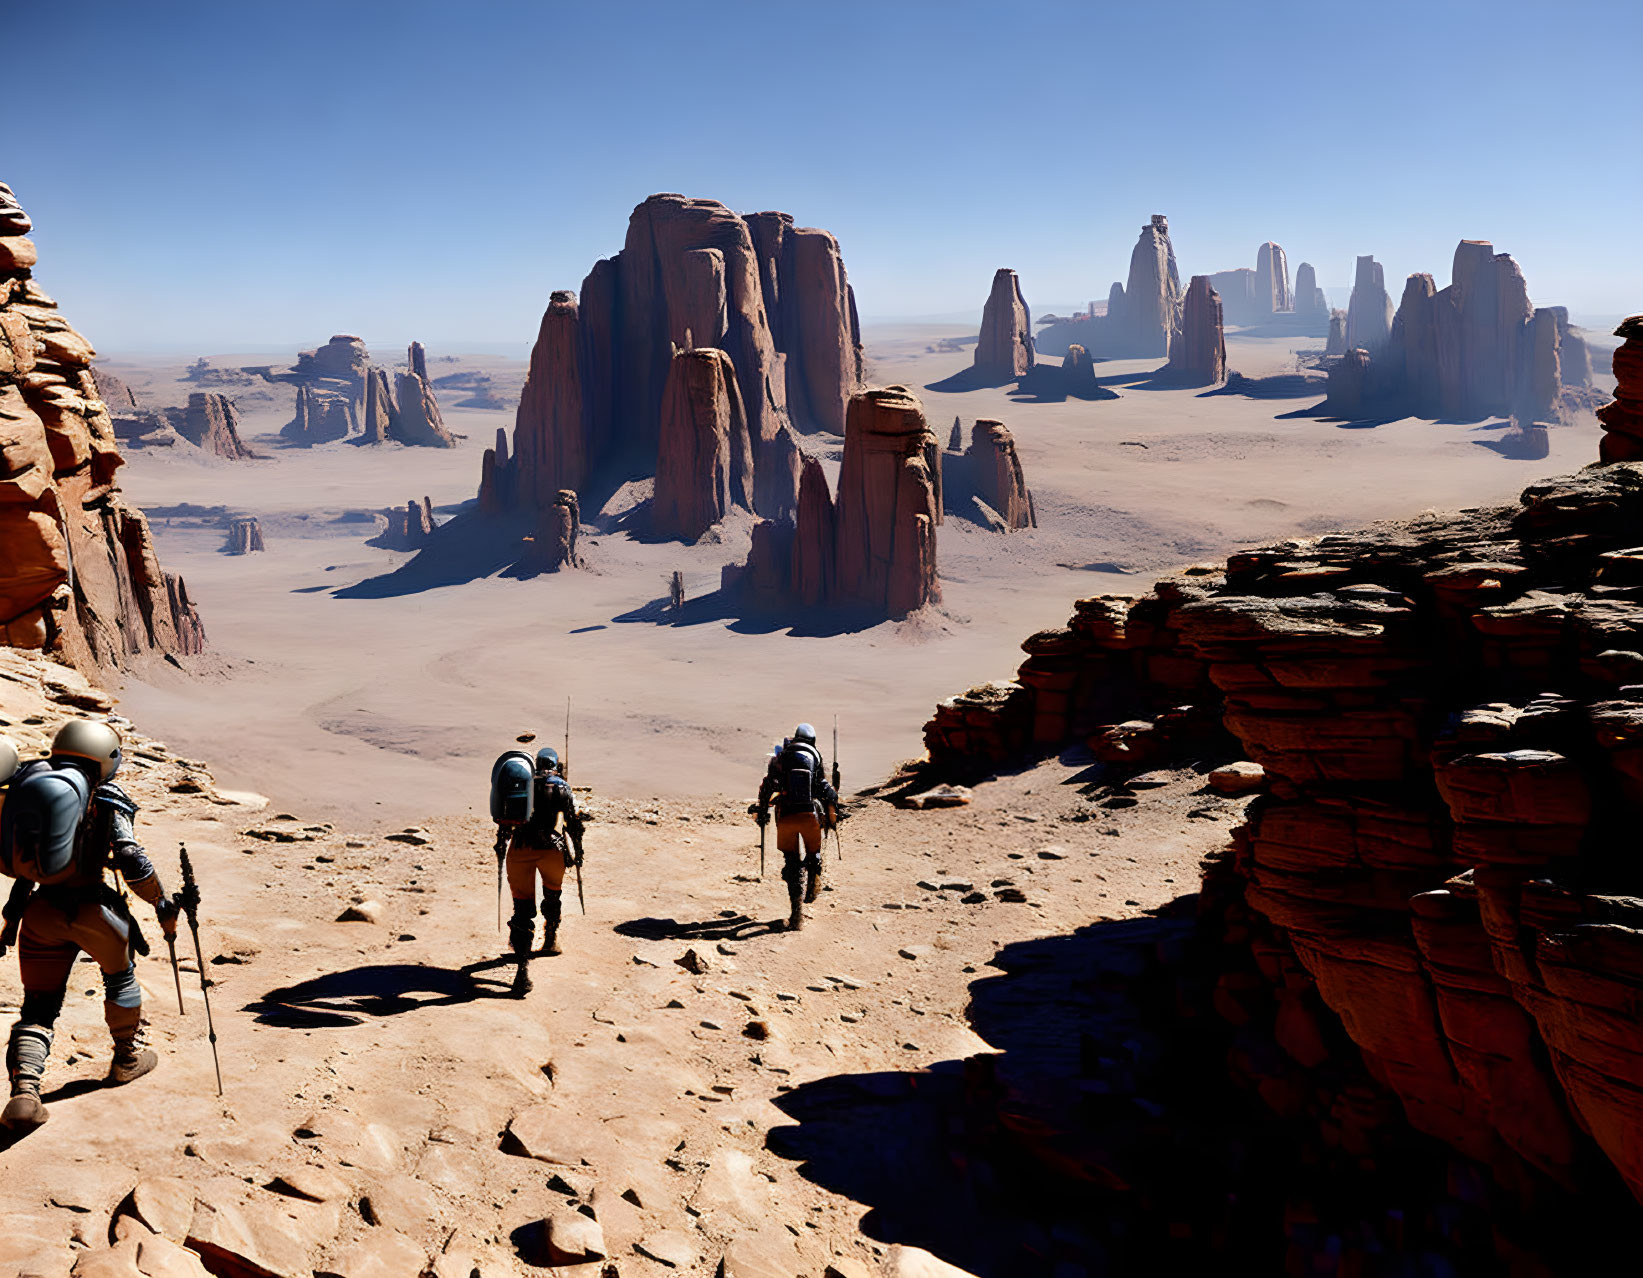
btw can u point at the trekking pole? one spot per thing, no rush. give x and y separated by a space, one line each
764 829
189 899
838 839
501 853
176 974
580 898
576 837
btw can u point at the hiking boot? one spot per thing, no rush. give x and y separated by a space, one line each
550 941
24 1112
131 1061
521 982
552 908
812 883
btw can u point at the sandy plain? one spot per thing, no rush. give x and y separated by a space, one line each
390 710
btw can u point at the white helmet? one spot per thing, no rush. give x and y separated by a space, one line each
94 742
8 760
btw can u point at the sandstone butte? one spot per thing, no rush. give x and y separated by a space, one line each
211 422
1005 349
872 549
79 577
1432 911
1473 350
619 386
1143 314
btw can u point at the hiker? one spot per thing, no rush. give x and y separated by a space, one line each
63 824
539 845
795 782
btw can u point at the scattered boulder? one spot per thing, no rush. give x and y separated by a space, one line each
1243 777
1623 419
573 1239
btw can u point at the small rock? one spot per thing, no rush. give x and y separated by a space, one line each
1051 854
692 962
1243 777
414 836
670 1248
1013 895
942 796
756 1030
915 952
973 898
573 1239
362 912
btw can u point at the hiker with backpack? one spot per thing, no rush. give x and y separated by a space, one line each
63 824
796 785
537 828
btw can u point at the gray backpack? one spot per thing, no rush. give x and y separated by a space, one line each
43 821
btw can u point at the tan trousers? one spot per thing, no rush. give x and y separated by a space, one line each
526 864
49 940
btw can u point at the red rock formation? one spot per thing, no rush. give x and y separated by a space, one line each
212 422
416 359
812 314
994 472
409 527
343 358
1623 419
704 456
1005 351
885 559
1433 874
1198 357
1078 374
244 536
419 420
551 444
814 536
553 542
1369 313
79 577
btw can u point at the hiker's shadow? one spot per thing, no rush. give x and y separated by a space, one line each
362 993
736 927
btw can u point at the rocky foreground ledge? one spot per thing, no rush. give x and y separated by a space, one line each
1437 902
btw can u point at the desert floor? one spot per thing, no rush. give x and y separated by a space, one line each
390 710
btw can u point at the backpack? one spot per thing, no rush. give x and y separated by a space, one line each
513 789
798 765
42 823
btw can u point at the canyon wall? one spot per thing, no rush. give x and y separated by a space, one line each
1447 714
79 576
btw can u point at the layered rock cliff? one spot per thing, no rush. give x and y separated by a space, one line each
1447 714
79 576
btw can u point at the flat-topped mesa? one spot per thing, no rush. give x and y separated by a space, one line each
1473 350
343 358
772 297
59 502
211 422
1150 311
1623 419
704 459
888 508
1369 312
1198 357
1005 350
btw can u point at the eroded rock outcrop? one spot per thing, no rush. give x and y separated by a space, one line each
1198 356
704 459
1446 714
1623 419
1310 302
408 527
1005 350
79 576
771 297
341 394
986 482
1145 316
1369 312
872 550
1473 350
244 536
211 422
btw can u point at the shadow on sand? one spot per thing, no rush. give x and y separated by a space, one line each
380 989
468 546
735 927
747 618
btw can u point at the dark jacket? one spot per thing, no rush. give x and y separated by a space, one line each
776 788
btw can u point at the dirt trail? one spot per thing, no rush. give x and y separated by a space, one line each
379 1066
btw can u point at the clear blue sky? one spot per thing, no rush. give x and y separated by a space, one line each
243 174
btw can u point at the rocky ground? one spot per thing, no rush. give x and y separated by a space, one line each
687 1090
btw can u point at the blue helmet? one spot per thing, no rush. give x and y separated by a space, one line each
547 759
805 733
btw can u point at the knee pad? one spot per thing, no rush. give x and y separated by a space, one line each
552 903
121 988
41 1008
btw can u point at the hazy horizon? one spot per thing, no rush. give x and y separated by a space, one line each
258 176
